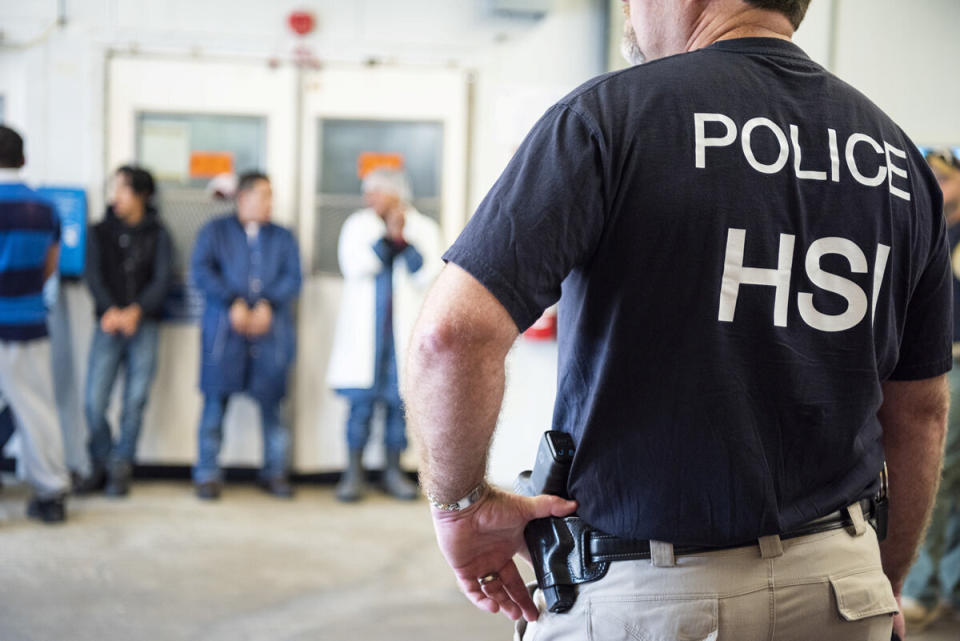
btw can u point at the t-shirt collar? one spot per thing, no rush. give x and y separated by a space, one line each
766 46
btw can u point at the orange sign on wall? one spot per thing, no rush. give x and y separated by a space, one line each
370 160
207 164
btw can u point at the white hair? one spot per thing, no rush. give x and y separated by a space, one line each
388 181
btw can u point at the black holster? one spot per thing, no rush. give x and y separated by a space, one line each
557 546
559 553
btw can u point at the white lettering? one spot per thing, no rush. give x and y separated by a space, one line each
747 132
852 162
803 174
834 156
855 296
735 274
893 169
879 268
702 142
895 175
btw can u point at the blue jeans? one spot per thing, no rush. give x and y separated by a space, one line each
138 355
936 574
362 404
276 440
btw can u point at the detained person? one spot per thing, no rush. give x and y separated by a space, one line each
389 254
129 271
248 270
29 252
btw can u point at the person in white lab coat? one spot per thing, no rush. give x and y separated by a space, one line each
389 254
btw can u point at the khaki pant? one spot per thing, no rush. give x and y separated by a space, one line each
828 587
26 382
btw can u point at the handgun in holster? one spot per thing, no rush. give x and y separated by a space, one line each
557 544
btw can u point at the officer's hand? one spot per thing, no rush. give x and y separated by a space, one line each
484 538
239 316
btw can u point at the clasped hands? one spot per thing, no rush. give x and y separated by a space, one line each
122 320
251 322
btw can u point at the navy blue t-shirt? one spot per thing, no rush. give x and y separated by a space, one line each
746 249
953 238
29 227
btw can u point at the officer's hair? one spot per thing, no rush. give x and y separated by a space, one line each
11 149
793 9
247 180
140 181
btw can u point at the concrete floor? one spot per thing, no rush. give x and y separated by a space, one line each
164 566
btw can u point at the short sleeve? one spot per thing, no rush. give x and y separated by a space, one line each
55 222
925 349
542 218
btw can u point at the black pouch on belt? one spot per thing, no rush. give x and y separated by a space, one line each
557 546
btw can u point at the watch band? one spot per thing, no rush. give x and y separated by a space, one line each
474 496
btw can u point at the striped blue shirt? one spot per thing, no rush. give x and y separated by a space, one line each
28 229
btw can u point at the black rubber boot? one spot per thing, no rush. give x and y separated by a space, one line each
279 487
353 481
208 490
118 479
396 483
95 482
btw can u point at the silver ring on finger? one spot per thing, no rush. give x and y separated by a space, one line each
488 578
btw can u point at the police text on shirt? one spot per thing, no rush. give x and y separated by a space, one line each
735 274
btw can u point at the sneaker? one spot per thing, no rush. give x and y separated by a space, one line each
47 510
278 487
207 491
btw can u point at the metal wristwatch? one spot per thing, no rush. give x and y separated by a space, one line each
474 496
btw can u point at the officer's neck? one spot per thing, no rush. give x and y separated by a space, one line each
749 22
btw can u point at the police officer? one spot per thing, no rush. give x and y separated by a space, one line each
755 312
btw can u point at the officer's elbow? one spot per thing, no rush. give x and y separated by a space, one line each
434 342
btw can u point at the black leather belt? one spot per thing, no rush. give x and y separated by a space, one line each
607 547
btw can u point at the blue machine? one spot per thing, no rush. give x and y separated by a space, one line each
70 204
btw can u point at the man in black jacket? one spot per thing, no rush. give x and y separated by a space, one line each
128 271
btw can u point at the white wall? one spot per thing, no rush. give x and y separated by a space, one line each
905 56
518 80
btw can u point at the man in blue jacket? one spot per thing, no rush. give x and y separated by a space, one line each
249 272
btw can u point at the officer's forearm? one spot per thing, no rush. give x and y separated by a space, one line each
455 380
453 400
913 417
